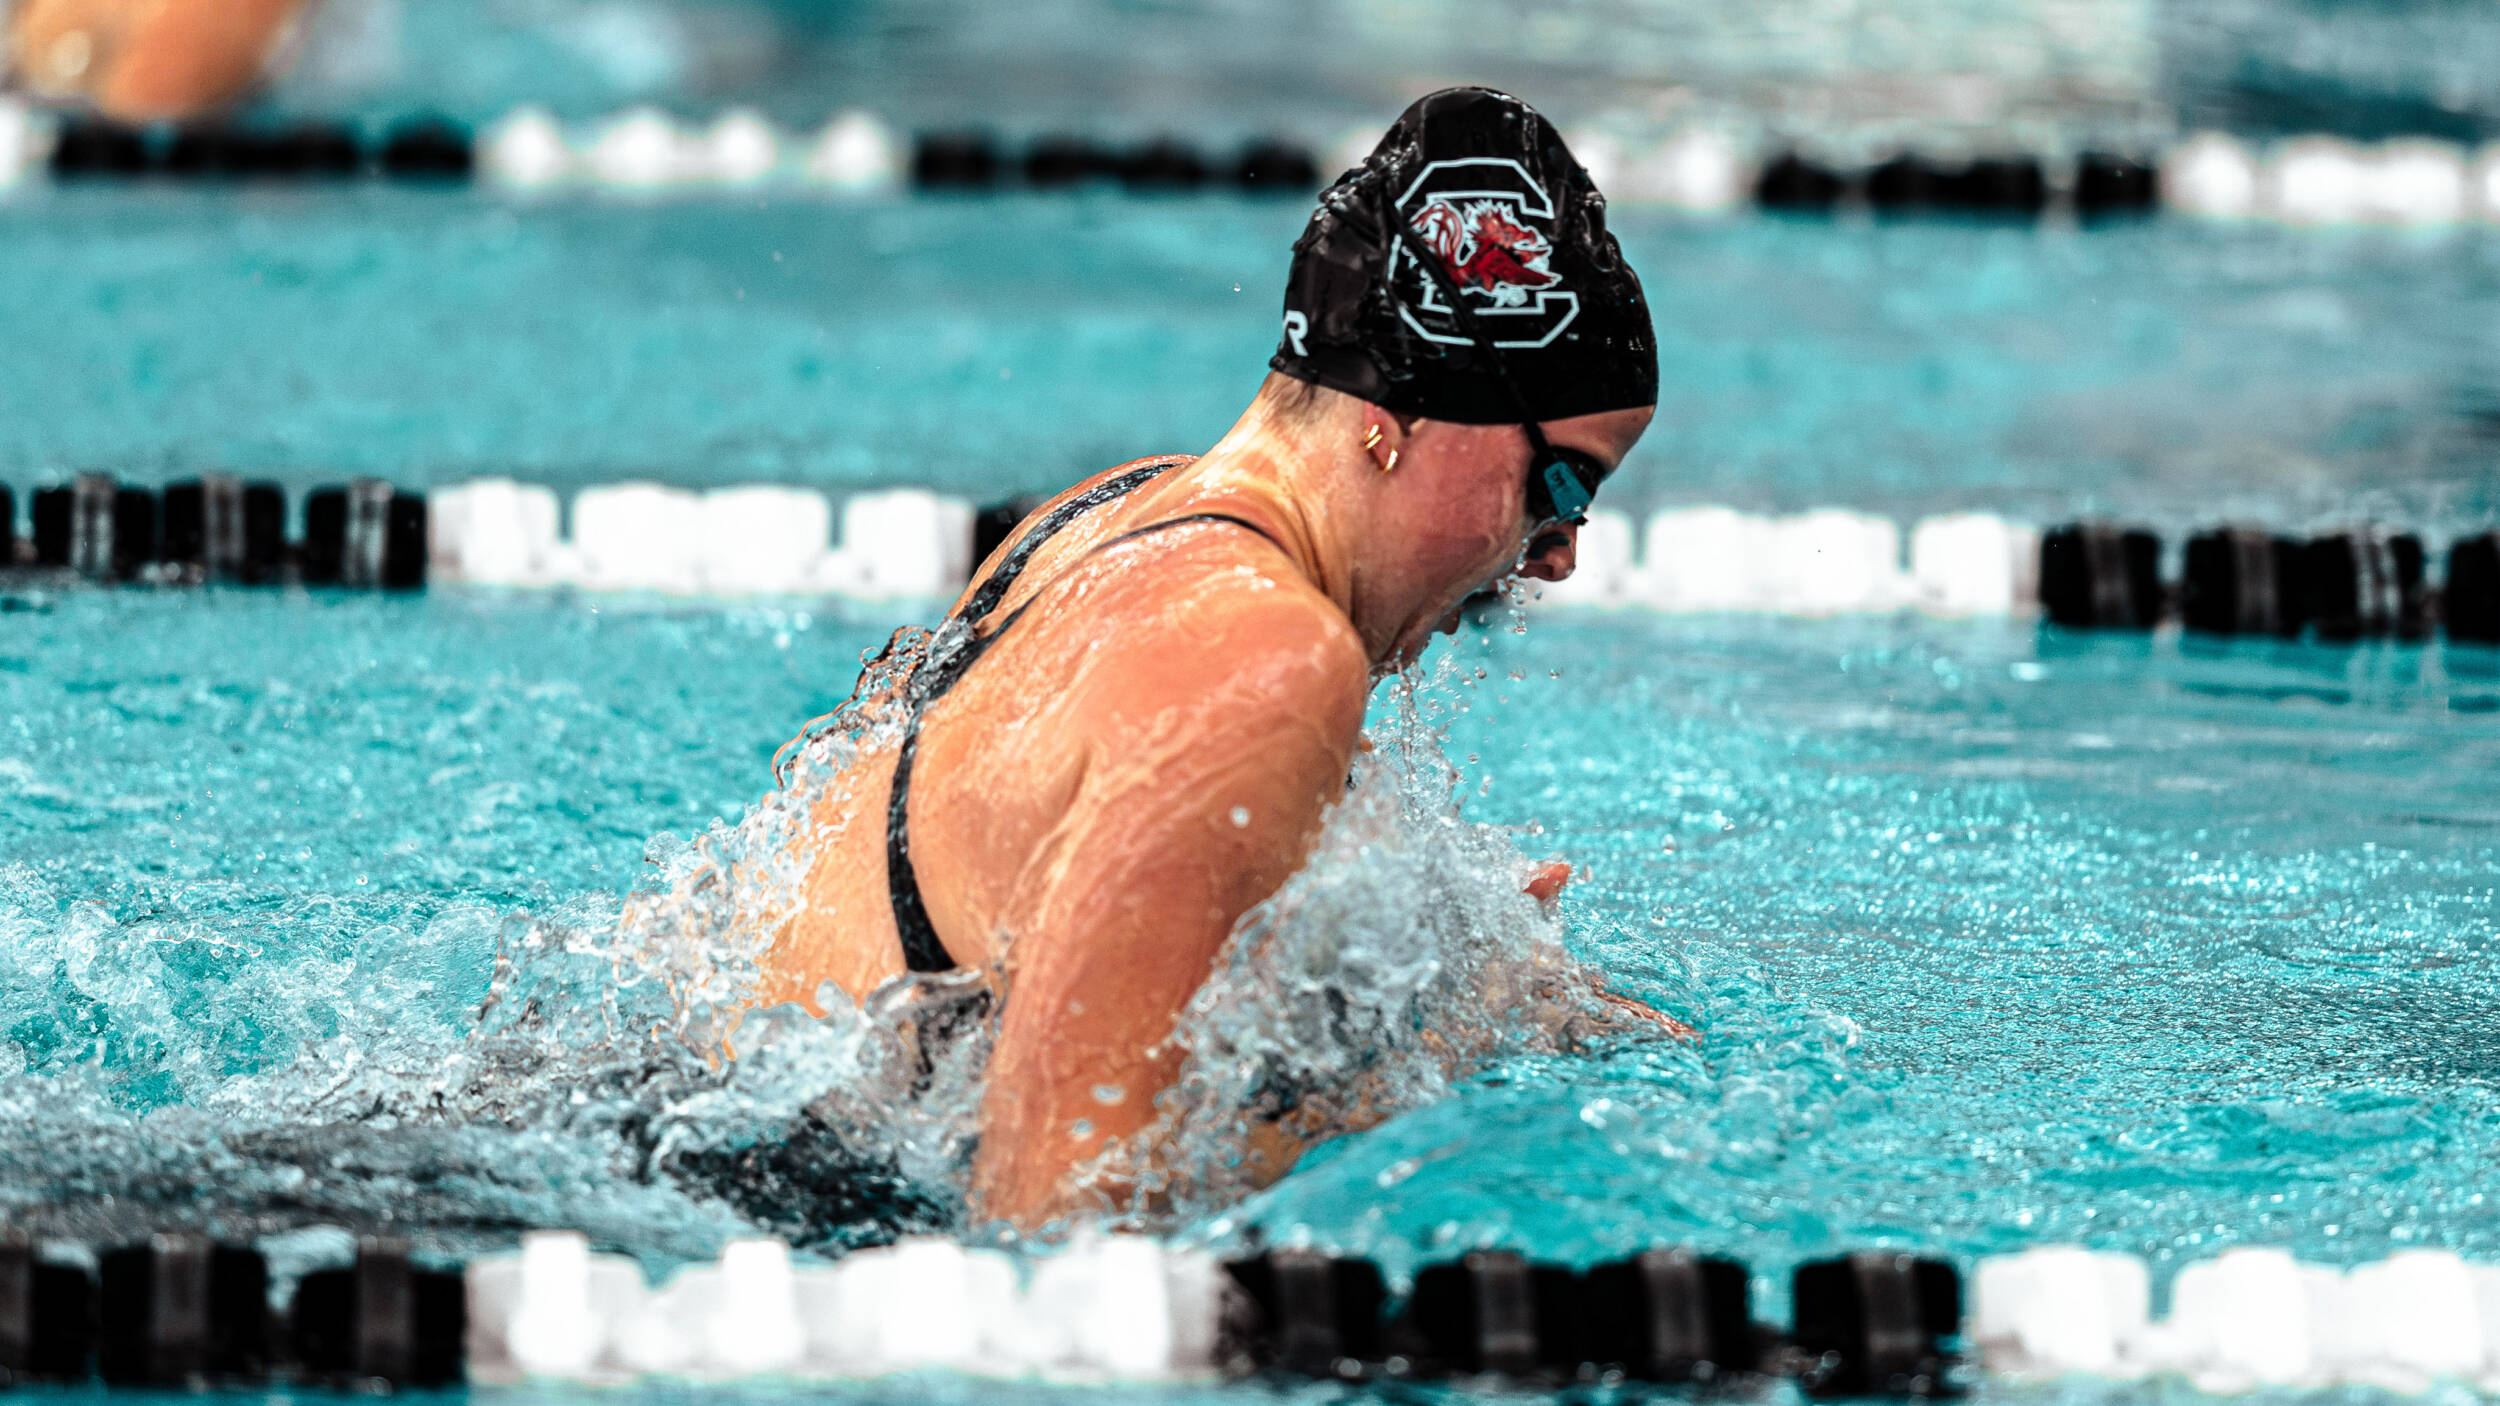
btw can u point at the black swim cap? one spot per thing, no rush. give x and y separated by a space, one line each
1487 183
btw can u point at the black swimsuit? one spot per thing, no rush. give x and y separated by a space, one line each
923 950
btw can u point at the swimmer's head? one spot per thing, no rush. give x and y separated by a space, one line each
1460 293
1554 324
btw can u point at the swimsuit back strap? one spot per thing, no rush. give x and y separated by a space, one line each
923 950
983 601
1011 566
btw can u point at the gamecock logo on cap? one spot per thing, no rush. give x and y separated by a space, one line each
1491 227
1485 249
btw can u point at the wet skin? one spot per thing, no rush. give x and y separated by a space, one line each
145 60
1149 753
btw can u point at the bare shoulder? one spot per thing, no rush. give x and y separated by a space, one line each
1232 619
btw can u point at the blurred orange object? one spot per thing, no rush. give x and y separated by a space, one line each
141 60
1547 880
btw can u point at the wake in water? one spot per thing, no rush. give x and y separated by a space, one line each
615 1076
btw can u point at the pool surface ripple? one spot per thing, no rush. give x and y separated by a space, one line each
1993 938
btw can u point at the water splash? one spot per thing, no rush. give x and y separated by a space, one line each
598 1061
1401 959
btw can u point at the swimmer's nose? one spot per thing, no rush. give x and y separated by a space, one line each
1552 552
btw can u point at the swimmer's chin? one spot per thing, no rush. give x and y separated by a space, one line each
1413 641
1410 642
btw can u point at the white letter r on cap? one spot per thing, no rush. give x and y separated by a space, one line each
1295 325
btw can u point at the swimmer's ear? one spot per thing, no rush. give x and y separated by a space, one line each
1378 443
1375 416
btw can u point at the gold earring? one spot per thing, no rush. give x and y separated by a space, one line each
1371 441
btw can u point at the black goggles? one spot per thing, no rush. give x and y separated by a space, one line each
1562 482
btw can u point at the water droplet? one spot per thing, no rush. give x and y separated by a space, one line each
1110 1094
1241 817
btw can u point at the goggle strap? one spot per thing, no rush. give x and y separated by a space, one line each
1570 497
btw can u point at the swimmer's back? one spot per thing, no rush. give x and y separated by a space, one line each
1051 782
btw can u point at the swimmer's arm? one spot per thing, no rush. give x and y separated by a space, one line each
1213 762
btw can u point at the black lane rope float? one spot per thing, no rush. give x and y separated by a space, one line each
2340 587
422 149
2101 186
183 1311
220 529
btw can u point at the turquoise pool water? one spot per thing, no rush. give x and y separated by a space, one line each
1993 939
308 902
2172 369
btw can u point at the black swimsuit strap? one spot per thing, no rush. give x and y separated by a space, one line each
1012 565
923 950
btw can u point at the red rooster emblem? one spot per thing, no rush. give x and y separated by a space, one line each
1484 248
